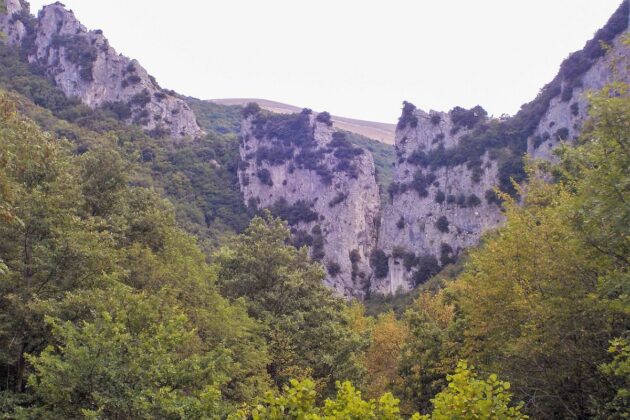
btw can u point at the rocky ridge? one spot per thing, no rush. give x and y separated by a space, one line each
83 65
300 169
449 164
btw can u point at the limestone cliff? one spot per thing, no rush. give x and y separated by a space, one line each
448 164
303 171
84 65
433 212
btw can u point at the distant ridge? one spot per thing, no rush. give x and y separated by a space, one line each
382 132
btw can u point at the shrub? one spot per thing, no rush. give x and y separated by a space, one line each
410 260
118 109
492 197
427 267
300 211
379 263
252 108
333 268
473 200
435 119
450 199
575 109
140 99
265 176
399 252
400 223
301 238
562 133
324 117
407 118
440 197
467 117
446 254
476 174
461 200
421 183
317 251
418 157
442 224
567 93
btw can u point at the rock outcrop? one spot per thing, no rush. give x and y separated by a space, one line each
433 212
569 109
442 199
302 170
84 65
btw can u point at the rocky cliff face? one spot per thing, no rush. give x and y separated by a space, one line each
434 212
569 109
448 165
302 170
84 65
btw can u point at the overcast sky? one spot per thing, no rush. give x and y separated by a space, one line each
354 58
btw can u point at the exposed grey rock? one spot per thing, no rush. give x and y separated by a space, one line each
347 208
410 220
84 65
564 119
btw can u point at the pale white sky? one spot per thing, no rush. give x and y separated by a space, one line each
355 58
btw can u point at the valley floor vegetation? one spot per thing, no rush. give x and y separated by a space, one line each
110 310
135 283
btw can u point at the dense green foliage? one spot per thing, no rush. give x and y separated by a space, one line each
199 177
83 250
306 327
109 307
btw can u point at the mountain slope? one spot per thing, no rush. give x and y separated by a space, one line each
83 65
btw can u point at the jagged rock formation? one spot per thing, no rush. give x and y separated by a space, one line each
433 212
442 199
569 109
84 65
303 171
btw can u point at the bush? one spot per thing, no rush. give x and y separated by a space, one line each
300 211
265 176
317 251
140 99
467 117
418 157
421 183
252 108
575 109
407 118
562 133
410 260
379 263
446 254
440 197
450 199
333 268
442 224
324 117
435 119
400 223
427 267
473 201
398 252
492 197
